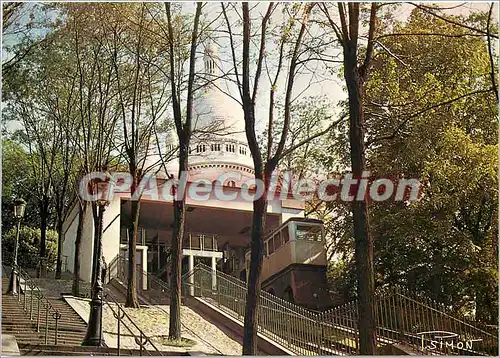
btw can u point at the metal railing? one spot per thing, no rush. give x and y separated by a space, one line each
400 317
124 321
289 325
150 287
37 305
163 270
416 320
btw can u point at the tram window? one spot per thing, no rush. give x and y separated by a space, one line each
284 235
277 241
266 251
306 232
270 244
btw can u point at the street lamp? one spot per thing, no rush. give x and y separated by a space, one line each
19 205
93 336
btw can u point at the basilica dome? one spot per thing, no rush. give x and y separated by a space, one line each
218 143
216 114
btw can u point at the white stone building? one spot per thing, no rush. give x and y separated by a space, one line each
217 232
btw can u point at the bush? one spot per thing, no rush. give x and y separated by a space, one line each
28 254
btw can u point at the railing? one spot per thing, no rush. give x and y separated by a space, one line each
200 241
164 269
155 289
289 325
124 321
40 311
416 320
400 317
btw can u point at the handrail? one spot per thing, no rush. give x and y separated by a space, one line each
120 314
42 301
266 295
400 316
168 258
403 316
122 260
281 321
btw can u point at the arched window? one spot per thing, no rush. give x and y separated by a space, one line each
231 183
230 148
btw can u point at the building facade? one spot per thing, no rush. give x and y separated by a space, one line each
216 232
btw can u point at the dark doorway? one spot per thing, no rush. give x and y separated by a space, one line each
288 296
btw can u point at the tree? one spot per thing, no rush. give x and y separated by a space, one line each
290 59
16 183
444 113
24 26
31 106
142 98
89 70
28 248
356 70
415 101
177 56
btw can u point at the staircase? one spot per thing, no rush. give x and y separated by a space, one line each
24 316
16 319
77 350
401 318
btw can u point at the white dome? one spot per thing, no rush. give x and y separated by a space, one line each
168 141
218 139
215 113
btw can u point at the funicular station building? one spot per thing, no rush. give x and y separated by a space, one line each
217 232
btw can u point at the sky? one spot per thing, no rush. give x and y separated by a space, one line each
332 86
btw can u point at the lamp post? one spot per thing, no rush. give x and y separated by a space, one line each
19 205
93 336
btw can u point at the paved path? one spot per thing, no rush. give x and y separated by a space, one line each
154 322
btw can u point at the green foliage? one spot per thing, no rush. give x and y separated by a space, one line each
17 182
429 97
436 94
28 255
341 277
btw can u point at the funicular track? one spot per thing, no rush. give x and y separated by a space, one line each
401 318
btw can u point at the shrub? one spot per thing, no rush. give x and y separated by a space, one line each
28 254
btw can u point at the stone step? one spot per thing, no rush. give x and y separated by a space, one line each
66 336
16 321
46 350
24 320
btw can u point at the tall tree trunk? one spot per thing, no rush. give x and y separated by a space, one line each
179 207
60 240
133 229
78 243
184 135
44 212
363 240
254 288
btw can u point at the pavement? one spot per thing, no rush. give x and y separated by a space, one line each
9 345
